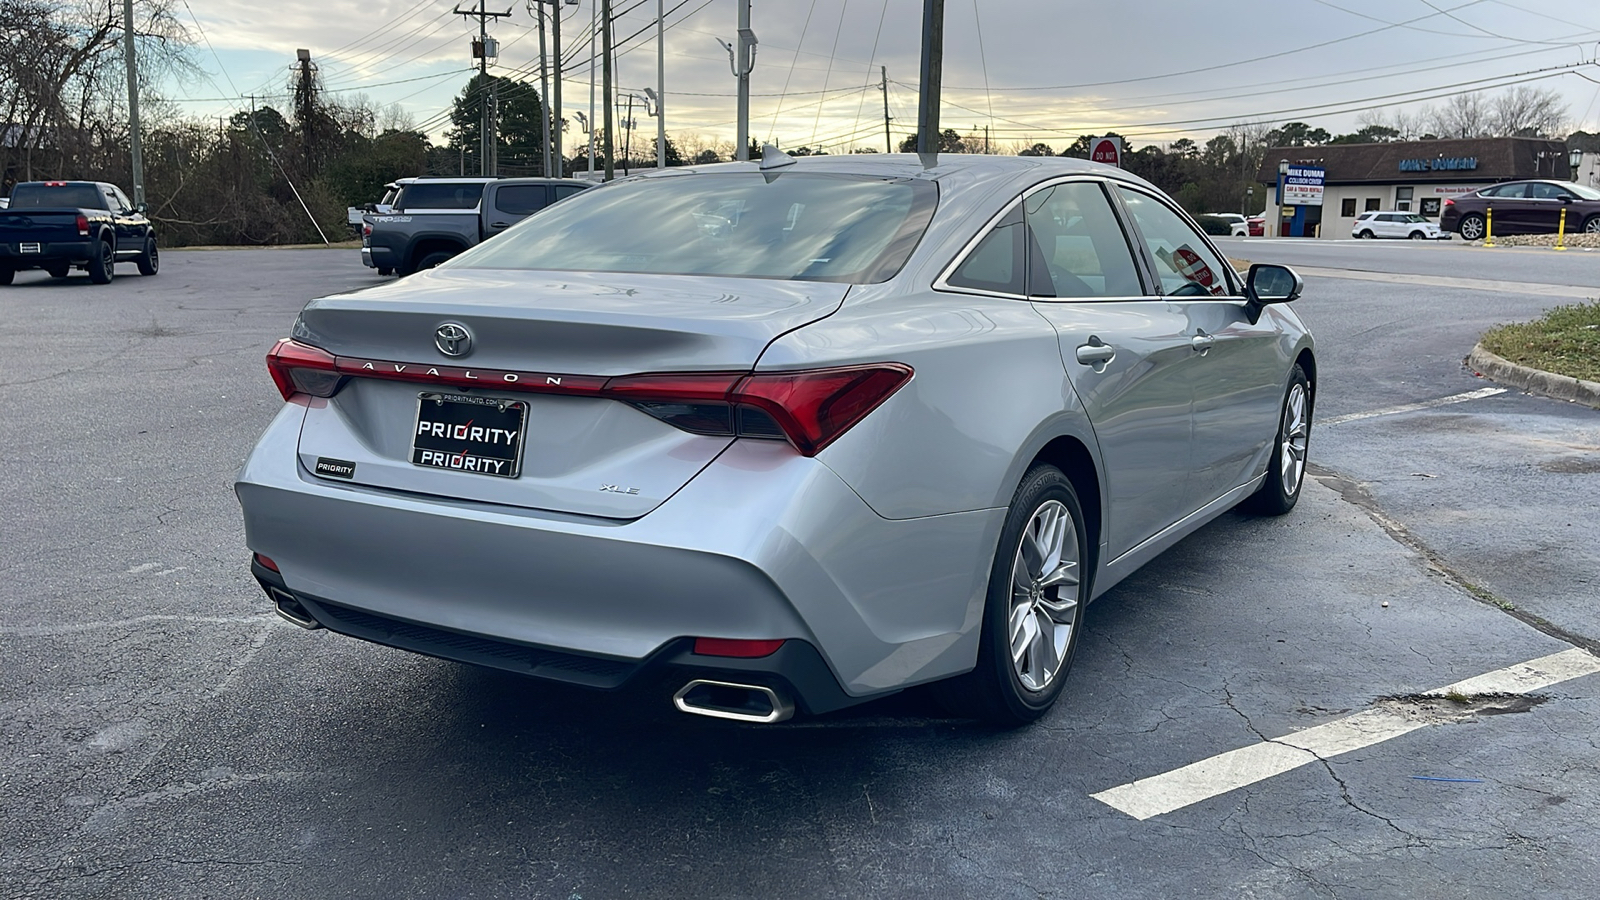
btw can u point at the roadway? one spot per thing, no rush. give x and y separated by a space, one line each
166 736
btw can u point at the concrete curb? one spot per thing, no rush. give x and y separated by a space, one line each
1558 387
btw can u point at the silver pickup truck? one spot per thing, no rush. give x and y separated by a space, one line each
433 219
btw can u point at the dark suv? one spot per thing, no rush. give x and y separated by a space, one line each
1523 207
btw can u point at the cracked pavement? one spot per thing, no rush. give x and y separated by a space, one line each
163 735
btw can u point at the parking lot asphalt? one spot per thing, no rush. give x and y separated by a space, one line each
165 736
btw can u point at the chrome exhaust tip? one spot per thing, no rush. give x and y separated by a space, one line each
739 702
289 608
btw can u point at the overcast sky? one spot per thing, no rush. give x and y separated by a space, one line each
1043 70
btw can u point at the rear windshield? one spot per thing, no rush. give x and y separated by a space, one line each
437 195
45 196
798 227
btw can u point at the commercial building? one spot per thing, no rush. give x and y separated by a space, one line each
1326 187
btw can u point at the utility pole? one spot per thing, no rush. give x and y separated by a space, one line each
484 48
932 75
544 96
747 61
627 142
888 141
593 27
661 86
133 102
555 37
605 49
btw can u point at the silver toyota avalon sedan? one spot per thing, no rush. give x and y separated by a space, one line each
787 435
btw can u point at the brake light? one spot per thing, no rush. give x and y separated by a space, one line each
298 368
366 229
83 225
1449 202
809 408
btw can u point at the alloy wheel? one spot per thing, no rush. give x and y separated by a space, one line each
1471 228
1592 226
1292 443
1045 578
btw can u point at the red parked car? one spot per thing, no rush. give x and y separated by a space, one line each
1523 207
1257 225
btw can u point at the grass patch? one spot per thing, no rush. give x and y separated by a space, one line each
1565 340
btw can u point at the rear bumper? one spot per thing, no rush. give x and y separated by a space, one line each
379 258
11 254
762 544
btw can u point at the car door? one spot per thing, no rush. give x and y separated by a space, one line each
1124 349
1237 368
1545 203
509 204
121 223
1512 210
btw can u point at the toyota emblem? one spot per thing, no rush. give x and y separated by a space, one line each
452 339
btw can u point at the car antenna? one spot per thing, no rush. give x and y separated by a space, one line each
773 158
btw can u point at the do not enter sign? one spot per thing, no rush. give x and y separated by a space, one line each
1106 150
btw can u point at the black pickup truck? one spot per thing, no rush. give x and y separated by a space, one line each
61 225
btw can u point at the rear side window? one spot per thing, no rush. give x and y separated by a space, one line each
997 263
521 199
1507 190
564 191
43 195
1080 245
1186 265
437 195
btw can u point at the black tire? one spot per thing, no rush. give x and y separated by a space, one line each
1418 236
1366 235
6 274
150 260
1278 494
385 271
102 265
1471 227
433 259
995 690
58 269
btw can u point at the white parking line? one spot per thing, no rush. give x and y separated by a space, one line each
1413 407
1235 769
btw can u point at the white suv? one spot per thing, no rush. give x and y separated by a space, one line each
1238 226
1376 224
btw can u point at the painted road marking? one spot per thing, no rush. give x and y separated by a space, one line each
1534 288
1235 769
1413 407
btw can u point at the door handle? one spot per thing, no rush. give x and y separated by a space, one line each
1202 342
1096 353
499 224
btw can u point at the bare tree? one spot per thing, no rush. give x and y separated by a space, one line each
1525 111
1463 116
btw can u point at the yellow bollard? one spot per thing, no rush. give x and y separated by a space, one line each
1488 227
1561 231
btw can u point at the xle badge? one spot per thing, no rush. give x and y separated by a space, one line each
335 468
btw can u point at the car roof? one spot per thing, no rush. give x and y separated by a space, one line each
969 168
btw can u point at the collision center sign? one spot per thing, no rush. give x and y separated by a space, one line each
1106 150
1303 186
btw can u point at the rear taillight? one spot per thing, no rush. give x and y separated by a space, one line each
809 408
83 225
1449 202
298 368
366 229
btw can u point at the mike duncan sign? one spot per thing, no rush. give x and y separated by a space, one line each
1303 186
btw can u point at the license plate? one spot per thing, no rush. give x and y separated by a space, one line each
480 435
30 248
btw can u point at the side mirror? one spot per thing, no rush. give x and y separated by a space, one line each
1270 284
142 208
1567 198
